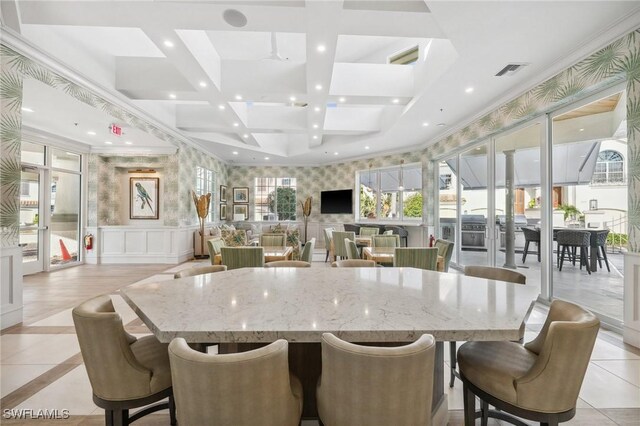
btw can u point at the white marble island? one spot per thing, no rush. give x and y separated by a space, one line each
366 305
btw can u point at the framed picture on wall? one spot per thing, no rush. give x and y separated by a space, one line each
223 212
241 209
223 193
144 194
241 195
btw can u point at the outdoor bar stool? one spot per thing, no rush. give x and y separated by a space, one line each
569 241
601 247
530 236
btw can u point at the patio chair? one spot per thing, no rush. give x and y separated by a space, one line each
569 242
530 236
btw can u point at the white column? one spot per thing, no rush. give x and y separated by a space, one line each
631 330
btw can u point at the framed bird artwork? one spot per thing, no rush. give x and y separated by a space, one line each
144 198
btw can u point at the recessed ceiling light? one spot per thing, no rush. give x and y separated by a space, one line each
315 136
172 95
321 48
316 109
468 90
343 99
203 84
396 100
582 130
245 135
425 124
318 86
236 124
91 132
168 43
335 153
238 97
108 142
366 147
25 109
292 98
222 107
266 158
235 152
129 143
315 126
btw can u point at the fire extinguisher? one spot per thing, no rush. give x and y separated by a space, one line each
432 240
88 241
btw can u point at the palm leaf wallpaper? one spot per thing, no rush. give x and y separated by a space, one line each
616 62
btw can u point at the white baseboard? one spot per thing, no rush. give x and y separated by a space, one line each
631 337
10 316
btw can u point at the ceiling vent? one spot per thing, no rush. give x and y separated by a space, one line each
511 69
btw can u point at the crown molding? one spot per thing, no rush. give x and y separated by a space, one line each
121 151
33 134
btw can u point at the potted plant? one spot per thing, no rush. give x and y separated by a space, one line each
569 211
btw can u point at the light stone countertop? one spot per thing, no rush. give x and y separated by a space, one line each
356 304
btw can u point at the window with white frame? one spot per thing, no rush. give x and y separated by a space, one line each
609 168
275 199
205 184
391 193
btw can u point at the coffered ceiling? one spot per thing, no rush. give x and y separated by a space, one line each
309 82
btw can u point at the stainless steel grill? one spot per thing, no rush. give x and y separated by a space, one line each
473 227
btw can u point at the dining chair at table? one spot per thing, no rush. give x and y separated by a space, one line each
339 248
388 240
416 257
200 270
369 231
488 273
288 264
376 386
445 249
356 263
273 240
530 236
307 251
400 231
601 247
214 245
242 257
539 381
125 372
569 242
235 389
352 249
327 242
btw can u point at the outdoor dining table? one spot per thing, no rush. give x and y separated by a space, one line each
385 255
246 308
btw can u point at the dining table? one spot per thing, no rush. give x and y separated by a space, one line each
385 255
247 308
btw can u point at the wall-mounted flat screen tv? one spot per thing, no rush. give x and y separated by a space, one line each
340 201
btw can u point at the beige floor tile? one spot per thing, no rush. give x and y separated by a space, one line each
72 392
11 344
63 318
14 376
602 389
627 369
623 416
48 349
605 350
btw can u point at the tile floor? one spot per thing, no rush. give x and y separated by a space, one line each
40 365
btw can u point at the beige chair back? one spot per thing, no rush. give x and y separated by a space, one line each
354 263
237 389
287 264
200 270
564 347
498 274
367 385
113 370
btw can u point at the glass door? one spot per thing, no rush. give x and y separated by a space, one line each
32 220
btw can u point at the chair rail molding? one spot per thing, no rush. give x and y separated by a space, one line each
631 328
11 286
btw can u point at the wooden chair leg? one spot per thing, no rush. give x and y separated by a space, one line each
452 362
172 411
525 251
121 417
327 257
484 408
108 417
469 406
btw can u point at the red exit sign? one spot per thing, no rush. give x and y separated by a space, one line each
116 130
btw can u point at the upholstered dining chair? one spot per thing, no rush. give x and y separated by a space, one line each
400 231
367 231
201 270
288 264
339 248
235 389
328 232
355 263
489 273
416 257
214 245
307 251
352 249
273 240
368 385
538 381
445 249
242 257
387 240
125 372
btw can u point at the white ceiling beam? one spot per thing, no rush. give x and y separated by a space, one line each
391 24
